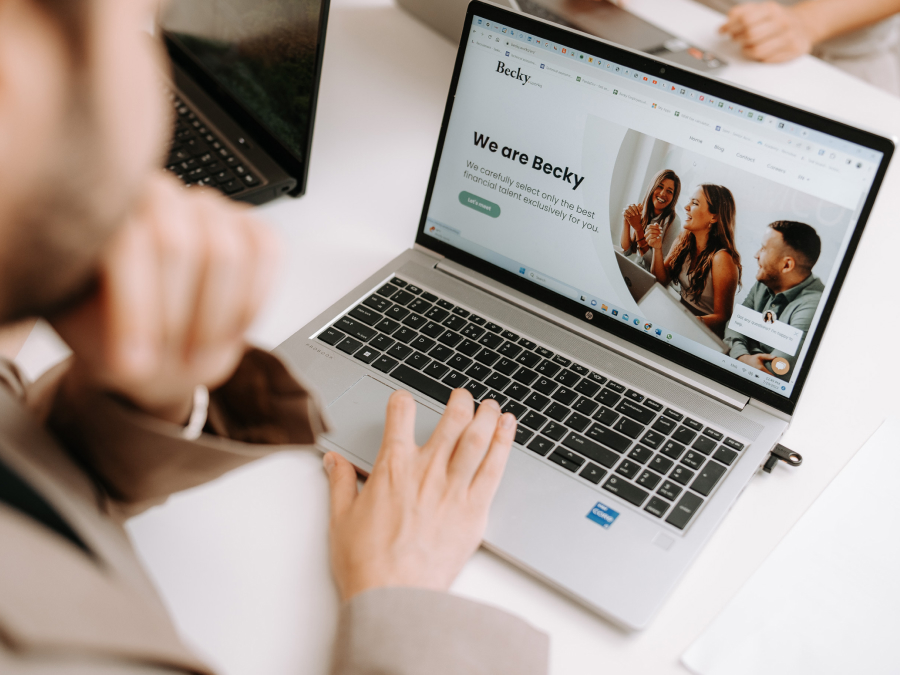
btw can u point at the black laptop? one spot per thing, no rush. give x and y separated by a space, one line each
245 83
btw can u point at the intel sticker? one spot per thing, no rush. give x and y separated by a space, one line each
603 515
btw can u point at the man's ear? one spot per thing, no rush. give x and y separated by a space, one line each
788 264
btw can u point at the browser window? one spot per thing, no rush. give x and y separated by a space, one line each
736 221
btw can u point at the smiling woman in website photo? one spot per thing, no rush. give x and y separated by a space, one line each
658 207
704 261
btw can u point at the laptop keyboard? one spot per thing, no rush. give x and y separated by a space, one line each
651 455
199 157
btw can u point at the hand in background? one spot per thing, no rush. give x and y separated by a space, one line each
179 285
768 31
757 361
422 512
654 237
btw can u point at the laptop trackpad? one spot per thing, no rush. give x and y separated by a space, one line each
358 417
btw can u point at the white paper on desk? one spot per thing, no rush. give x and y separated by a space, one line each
827 600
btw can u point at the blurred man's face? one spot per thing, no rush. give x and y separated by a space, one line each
78 141
771 257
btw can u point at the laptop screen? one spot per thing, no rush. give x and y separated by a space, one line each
263 53
706 227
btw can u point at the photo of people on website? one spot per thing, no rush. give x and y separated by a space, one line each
729 258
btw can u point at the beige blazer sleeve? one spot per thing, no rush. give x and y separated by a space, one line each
131 462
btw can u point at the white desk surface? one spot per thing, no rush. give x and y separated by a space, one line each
243 563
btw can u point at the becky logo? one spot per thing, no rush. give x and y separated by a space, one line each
516 74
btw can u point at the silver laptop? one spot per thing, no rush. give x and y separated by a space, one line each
633 440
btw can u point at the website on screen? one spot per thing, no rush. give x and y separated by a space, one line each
712 227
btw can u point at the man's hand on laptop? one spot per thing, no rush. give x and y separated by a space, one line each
422 512
757 361
179 284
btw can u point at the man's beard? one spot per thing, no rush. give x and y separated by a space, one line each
53 244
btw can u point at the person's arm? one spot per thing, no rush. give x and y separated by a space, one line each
655 242
632 221
772 32
725 279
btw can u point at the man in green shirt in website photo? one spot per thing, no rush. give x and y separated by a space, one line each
785 286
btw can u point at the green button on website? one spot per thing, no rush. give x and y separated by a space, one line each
489 208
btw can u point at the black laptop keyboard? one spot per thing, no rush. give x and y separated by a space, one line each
648 454
199 157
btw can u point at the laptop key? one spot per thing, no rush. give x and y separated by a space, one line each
419 305
664 425
436 370
387 326
459 311
725 455
430 297
422 383
681 475
468 347
674 414
684 510
490 340
606 416
543 351
707 478
459 362
693 424
525 376
661 464
578 369
455 379
653 405
640 454
616 387
634 396
545 385
349 345
628 469
608 398
622 488
555 431
652 439
403 298
494 328
592 473
398 282
597 377
384 363
533 420
510 350
355 328
733 444
497 381
669 490
523 435
541 445
415 321
443 304
704 445
509 335
516 391
417 360
648 479
477 320
516 409
422 343
609 438
439 353
628 427
496 395
528 359
672 449
399 351
547 368
396 312
561 360
413 289
712 433
432 329
657 507
472 332
528 344
684 435
436 313
566 459
590 449
587 387
536 400
585 406
450 338
487 357
557 411
565 395
478 372
475 388
330 336
506 366
693 459
367 354
578 422
635 412
454 322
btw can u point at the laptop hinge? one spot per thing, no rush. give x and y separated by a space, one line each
673 371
